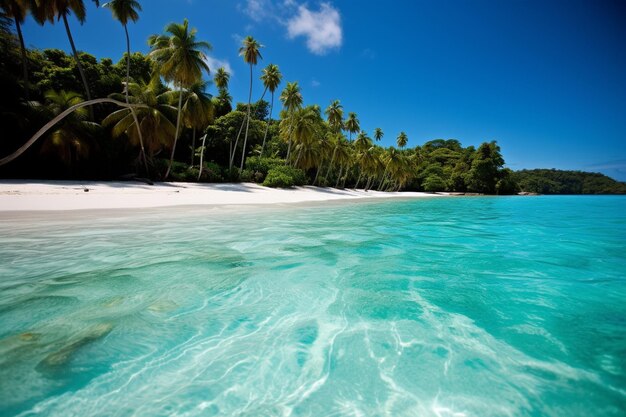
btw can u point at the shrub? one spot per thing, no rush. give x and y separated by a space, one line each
263 165
284 176
434 183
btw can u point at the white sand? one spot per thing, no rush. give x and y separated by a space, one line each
21 195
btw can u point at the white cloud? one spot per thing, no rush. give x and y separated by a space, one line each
315 83
256 10
215 63
322 29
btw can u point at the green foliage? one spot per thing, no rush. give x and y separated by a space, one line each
263 165
434 183
552 181
284 176
258 111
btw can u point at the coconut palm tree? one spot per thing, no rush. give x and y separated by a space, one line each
70 138
221 79
343 157
49 10
271 80
334 114
180 59
251 53
125 10
17 10
352 124
378 134
402 140
197 110
291 97
154 118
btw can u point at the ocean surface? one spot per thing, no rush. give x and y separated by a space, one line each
507 306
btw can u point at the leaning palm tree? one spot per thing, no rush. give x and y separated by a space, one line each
378 134
71 138
402 140
49 10
291 97
180 59
17 10
125 10
271 80
251 52
352 124
154 117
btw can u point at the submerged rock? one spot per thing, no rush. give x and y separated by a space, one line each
63 355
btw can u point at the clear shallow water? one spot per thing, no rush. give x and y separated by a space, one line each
442 307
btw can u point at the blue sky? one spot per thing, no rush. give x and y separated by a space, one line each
546 79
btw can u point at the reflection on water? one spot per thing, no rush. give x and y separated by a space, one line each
443 307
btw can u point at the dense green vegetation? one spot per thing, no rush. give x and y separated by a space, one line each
552 181
160 121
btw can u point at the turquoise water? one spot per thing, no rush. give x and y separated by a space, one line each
434 307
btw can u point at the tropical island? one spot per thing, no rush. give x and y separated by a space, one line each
158 117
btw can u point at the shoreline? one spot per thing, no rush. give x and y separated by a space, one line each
50 195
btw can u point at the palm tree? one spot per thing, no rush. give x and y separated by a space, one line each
197 110
221 79
48 10
402 140
154 118
17 10
334 113
271 80
125 10
378 134
179 59
352 124
70 138
302 127
251 52
291 97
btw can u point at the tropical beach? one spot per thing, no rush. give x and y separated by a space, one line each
66 195
300 208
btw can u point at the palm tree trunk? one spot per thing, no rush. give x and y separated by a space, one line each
319 168
245 138
339 176
234 151
132 110
382 179
78 64
330 165
267 126
193 146
56 120
358 180
24 58
201 157
180 106
369 182
298 157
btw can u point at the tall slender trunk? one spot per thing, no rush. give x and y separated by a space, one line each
24 58
289 142
267 126
369 182
180 106
330 165
193 146
339 176
132 110
319 168
358 180
382 179
298 157
201 157
234 151
245 138
78 64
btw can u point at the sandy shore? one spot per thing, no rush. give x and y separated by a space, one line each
21 195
